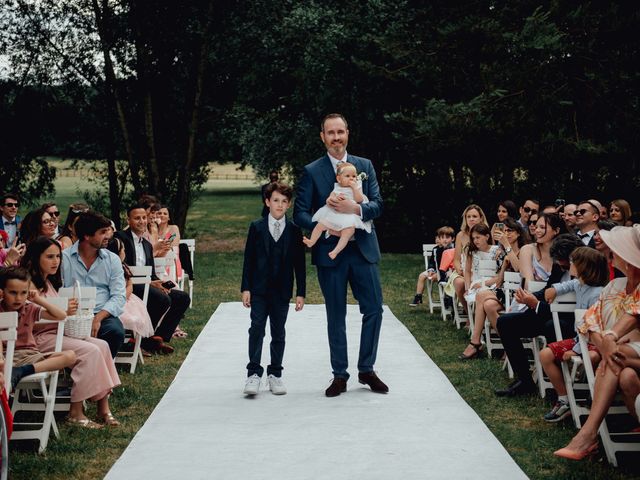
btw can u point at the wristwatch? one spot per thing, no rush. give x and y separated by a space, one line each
508 250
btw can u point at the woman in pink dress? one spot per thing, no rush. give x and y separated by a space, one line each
94 373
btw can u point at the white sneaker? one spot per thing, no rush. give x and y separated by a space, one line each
253 385
276 385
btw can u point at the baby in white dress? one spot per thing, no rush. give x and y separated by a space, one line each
348 185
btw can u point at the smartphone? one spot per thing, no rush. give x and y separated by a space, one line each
499 226
168 284
560 202
172 237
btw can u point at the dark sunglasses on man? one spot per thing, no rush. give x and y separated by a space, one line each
12 204
528 209
582 211
54 214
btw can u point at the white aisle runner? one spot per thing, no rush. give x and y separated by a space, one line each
204 428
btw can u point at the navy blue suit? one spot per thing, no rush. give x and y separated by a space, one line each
267 273
356 265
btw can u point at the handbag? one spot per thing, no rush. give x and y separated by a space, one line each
79 325
449 288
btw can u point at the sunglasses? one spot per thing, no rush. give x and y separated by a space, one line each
11 204
581 212
508 230
527 210
54 214
532 222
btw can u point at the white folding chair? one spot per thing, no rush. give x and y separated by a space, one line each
428 254
486 270
613 442
511 282
37 393
562 304
578 409
536 344
8 335
165 267
141 276
191 245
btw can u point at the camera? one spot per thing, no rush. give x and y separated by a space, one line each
560 202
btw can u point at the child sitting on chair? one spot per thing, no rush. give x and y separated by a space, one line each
444 241
591 272
31 307
350 186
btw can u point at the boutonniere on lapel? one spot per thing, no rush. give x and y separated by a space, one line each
362 176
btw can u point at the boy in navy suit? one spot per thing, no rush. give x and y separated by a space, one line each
273 254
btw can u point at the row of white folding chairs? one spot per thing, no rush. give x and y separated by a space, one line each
166 267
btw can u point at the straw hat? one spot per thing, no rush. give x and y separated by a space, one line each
624 242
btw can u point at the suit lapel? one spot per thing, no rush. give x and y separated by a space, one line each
328 173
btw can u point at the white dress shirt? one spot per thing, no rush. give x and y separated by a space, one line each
10 229
141 258
272 225
586 236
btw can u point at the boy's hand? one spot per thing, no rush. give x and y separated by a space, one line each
246 298
550 294
33 296
299 303
566 356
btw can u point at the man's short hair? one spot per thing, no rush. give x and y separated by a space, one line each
47 205
8 195
563 245
333 115
445 231
136 207
13 273
279 187
89 223
530 199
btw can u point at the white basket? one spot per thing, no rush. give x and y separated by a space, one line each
79 325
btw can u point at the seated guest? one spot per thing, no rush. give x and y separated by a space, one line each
9 254
536 319
528 208
531 226
31 307
506 208
67 235
444 241
472 215
569 217
10 220
166 306
535 259
587 216
620 212
604 249
590 273
606 323
94 374
35 224
52 209
90 263
489 303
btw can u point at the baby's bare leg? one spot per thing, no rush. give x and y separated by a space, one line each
345 235
315 235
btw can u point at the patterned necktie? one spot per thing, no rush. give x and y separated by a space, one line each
276 231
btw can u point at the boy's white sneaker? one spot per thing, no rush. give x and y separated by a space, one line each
252 386
276 385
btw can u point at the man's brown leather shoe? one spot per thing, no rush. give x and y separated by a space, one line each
371 379
338 386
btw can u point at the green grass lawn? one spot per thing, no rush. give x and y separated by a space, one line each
219 221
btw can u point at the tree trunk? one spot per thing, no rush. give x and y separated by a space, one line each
110 77
183 198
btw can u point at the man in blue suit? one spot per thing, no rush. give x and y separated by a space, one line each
356 265
9 221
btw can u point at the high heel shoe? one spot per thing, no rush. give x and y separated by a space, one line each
477 352
574 455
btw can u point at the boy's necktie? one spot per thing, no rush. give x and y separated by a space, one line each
276 231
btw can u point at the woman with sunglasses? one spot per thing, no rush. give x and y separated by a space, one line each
535 258
68 235
35 224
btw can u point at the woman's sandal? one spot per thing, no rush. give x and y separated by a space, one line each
83 423
179 333
109 420
477 353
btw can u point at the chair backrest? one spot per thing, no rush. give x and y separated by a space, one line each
88 299
563 303
535 286
512 282
165 267
8 334
584 341
487 268
427 253
142 276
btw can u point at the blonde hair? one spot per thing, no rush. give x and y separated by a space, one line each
344 166
483 218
